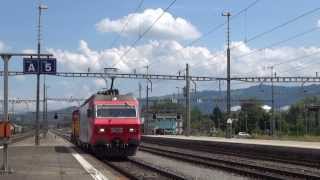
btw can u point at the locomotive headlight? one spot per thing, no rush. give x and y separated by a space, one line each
131 130
101 130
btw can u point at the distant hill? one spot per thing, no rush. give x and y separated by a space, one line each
283 96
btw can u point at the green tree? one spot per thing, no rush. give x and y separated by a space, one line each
252 117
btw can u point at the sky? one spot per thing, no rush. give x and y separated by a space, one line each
96 34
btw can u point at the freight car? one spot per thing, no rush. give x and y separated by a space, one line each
108 124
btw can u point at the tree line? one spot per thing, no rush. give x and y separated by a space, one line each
302 118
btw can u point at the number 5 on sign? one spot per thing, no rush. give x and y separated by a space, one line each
48 66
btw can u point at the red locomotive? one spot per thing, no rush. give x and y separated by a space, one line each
108 124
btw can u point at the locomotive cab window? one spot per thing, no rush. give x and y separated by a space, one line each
116 111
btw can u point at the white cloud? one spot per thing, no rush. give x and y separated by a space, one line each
168 26
170 56
166 56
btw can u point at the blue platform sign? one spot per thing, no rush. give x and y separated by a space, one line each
30 66
42 65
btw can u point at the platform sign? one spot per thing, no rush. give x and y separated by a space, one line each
48 66
30 66
42 65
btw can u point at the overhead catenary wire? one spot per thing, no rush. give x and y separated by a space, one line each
221 25
280 42
297 69
283 24
291 20
144 33
116 39
288 61
214 29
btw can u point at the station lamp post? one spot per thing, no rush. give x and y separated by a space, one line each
40 9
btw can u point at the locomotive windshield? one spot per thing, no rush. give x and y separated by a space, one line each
116 111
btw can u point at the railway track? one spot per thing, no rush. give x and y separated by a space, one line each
20 137
134 168
138 169
295 156
248 167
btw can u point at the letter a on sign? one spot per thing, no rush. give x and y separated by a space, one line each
31 68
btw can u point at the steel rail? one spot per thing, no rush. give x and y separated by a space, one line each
142 170
242 167
131 173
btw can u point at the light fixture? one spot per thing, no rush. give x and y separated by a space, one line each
101 130
131 130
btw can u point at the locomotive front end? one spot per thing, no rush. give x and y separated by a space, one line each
116 128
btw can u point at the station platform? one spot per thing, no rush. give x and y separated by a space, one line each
53 159
296 152
279 143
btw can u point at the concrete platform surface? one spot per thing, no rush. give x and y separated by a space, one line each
283 143
54 159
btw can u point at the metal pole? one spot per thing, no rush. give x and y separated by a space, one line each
219 88
147 110
47 124
272 110
45 109
6 59
228 64
146 121
219 103
38 83
140 88
44 105
272 120
37 112
246 118
40 8
178 95
187 100
12 110
195 92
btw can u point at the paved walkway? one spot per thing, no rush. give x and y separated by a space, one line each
54 159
